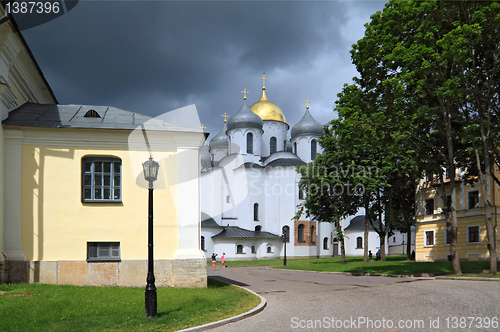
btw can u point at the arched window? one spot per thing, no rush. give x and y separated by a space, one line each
314 145
239 249
301 193
256 212
295 147
313 233
249 143
253 250
272 145
269 249
284 145
359 242
258 228
325 243
300 233
203 243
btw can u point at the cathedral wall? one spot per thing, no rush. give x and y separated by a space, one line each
273 129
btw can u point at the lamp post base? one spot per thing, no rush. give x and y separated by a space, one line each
151 303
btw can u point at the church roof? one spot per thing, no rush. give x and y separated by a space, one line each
207 221
84 116
358 223
245 118
235 232
267 110
307 126
220 140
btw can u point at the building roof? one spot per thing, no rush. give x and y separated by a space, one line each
358 223
207 221
235 232
84 116
307 126
267 110
245 118
221 139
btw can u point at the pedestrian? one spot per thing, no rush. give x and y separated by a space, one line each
223 260
214 260
378 254
370 255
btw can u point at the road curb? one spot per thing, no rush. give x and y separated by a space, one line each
250 313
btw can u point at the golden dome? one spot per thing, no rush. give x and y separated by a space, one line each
267 110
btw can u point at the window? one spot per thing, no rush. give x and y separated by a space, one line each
256 212
473 199
103 251
101 179
249 143
473 234
301 193
325 243
393 239
429 206
429 238
300 233
359 242
313 240
203 243
258 228
228 199
272 145
314 145
269 249
253 250
239 249
284 145
295 147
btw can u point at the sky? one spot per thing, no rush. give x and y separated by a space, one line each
152 57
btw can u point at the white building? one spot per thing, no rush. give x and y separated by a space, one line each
249 186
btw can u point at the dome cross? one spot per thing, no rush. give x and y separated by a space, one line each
244 92
225 116
307 103
264 79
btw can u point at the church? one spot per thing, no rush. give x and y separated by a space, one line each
249 186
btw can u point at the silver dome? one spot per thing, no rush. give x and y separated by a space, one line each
220 140
307 126
245 118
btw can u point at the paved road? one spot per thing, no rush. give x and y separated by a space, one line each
309 301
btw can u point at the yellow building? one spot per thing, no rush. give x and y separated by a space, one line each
73 199
431 233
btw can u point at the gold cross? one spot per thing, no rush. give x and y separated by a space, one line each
244 92
307 103
264 79
203 127
225 116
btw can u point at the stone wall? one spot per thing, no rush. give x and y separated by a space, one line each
129 273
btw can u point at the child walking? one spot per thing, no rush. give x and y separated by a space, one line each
214 260
223 259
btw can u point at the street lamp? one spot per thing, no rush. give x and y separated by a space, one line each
150 168
286 238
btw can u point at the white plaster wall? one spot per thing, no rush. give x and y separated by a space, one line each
273 129
238 143
304 147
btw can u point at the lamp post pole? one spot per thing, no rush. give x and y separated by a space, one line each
150 174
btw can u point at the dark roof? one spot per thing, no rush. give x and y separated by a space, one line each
307 126
286 162
207 221
245 118
231 232
84 116
358 223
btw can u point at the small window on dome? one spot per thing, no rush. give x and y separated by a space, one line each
91 114
272 144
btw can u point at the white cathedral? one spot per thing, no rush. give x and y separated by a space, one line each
249 186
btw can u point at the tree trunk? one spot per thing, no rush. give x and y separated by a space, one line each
408 239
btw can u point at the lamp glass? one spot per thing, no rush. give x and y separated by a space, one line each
150 168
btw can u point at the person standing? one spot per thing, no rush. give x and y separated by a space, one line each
214 260
223 260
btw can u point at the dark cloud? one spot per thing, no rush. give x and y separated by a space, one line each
155 56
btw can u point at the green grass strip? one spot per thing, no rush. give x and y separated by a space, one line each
39 307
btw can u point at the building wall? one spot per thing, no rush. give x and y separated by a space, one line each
436 222
49 225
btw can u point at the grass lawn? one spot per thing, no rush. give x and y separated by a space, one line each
38 307
396 265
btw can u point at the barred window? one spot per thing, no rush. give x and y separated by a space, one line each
103 251
101 179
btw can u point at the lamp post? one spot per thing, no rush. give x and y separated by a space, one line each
286 238
150 168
